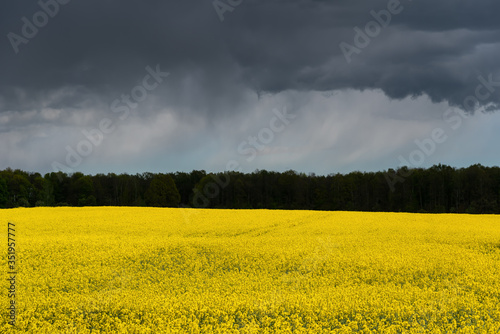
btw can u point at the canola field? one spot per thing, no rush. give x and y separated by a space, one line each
151 270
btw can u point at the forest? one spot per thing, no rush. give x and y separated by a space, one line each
439 189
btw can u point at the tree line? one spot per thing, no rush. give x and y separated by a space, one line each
439 189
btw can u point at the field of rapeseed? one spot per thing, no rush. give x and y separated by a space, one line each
145 270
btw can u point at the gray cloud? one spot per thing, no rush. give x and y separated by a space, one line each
100 47
93 51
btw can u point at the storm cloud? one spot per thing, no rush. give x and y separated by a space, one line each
86 54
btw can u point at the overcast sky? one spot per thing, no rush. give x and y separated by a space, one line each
315 86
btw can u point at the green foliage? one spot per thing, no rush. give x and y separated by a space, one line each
4 194
23 202
439 189
162 192
87 201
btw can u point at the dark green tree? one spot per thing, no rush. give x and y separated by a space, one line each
162 192
4 194
83 188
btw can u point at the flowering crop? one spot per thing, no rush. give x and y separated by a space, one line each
150 270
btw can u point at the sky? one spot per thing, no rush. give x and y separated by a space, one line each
314 86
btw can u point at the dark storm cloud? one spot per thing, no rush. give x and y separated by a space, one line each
95 50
